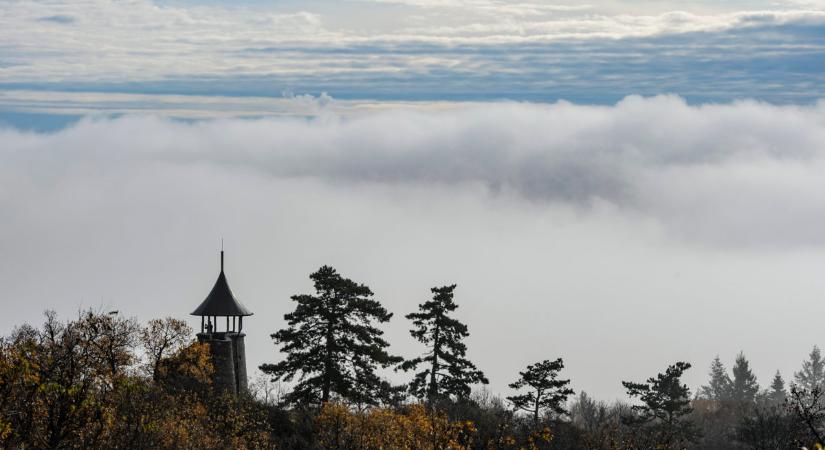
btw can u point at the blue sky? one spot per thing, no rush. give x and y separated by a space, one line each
414 50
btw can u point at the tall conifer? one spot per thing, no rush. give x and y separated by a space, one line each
663 416
447 371
719 383
777 393
812 374
744 386
332 343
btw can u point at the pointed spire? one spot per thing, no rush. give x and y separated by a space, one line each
221 301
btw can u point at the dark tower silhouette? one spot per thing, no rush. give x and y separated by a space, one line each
227 346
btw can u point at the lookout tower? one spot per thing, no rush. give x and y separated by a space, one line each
227 346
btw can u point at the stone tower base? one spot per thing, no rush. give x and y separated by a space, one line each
229 359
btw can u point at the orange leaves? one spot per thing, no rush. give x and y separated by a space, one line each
75 385
412 428
5 430
162 338
538 436
192 361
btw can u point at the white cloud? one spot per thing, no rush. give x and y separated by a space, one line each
290 104
715 173
586 229
628 221
108 40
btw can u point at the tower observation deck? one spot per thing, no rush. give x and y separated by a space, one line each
226 346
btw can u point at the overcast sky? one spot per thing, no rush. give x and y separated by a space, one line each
623 184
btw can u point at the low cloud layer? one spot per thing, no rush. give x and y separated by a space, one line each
604 235
740 174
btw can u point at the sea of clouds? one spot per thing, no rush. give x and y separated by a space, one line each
745 173
587 232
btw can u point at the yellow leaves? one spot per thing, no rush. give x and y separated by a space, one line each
189 367
5 430
505 441
536 437
197 362
531 441
69 386
413 428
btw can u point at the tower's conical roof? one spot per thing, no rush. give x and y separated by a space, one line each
220 301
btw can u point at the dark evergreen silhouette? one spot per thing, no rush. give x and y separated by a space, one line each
744 386
719 384
447 370
717 414
777 394
545 391
332 343
662 416
812 375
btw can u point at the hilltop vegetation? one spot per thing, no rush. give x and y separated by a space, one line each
103 381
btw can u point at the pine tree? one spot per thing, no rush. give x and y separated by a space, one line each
662 416
812 374
332 344
448 371
719 385
744 386
546 391
777 393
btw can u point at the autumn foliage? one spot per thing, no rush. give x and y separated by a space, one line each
383 428
414 427
87 384
105 382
